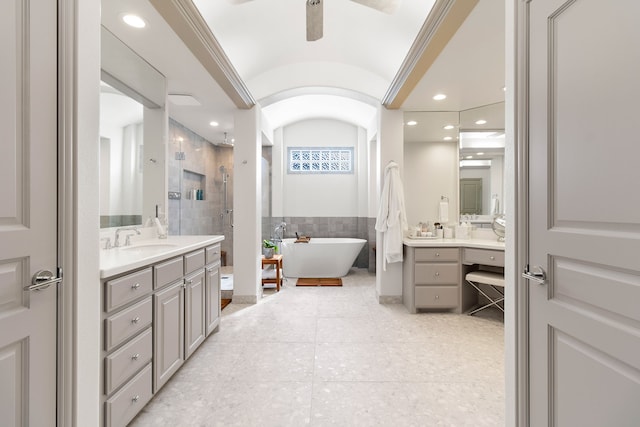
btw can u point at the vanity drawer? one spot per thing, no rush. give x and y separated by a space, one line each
127 288
167 272
125 404
437 254
434 273
122 364
193 261
436 296
483 256
212 254
127 323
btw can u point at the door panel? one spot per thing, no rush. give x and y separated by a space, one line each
28 211
584 221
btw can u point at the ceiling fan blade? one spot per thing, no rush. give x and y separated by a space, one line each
314 20
386 6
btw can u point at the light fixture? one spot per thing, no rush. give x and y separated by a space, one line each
469 157
134 20
448 127
439 97
481 122
480 154
412 123
214 123
447 138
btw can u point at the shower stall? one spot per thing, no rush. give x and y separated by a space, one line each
200 184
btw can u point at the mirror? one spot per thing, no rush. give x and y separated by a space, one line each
481 140
133 135
437 147
121 156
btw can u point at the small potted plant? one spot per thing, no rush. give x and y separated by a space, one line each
269 248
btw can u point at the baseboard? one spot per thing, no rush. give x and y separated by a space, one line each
389 299
244 299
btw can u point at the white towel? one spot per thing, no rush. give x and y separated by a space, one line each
392 217
444 212
495 207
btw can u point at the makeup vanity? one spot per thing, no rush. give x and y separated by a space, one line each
434 271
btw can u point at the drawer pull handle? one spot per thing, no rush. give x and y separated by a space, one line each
436 297
135 286
135 398
492 258
437 253
209 270
437 274
189 282
135 356
135 319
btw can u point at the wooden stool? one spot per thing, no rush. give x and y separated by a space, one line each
276 260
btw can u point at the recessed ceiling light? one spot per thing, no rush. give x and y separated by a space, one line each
481 122
504 88
440 97
448 127
469 157
214 124
447 138
134 21
412 123
480 154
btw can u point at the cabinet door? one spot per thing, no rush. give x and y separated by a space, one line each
168 332
212 294
194 312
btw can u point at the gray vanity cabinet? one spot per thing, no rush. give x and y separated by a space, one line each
155 317
168 329
194 311
212 289
431 278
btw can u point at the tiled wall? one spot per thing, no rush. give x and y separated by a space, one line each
201 159
356 227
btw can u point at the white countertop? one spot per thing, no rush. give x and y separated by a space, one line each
458 243
145 252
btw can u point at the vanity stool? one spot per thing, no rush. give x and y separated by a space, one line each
495 280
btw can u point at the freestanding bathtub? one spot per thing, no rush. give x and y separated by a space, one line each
321 257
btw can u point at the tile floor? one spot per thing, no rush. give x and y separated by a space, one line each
333 356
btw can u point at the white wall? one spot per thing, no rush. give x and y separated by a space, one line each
431 171
320 194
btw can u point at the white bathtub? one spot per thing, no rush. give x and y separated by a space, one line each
321 257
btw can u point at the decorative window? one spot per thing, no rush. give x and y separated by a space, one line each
334 160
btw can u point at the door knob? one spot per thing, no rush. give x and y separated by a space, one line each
536 275
43 279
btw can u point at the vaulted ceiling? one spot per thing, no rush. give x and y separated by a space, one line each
362 55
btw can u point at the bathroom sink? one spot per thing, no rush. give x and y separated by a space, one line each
148 247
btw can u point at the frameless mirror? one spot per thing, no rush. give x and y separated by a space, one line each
121 157
481 141
133 129
458 155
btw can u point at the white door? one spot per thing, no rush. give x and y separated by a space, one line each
584 212
28 220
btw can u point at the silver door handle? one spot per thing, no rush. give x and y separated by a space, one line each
538 275
42 280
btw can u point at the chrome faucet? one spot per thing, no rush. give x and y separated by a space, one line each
127 242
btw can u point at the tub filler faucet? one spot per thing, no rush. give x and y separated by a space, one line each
279 232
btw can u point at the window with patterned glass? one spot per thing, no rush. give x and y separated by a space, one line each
327 160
